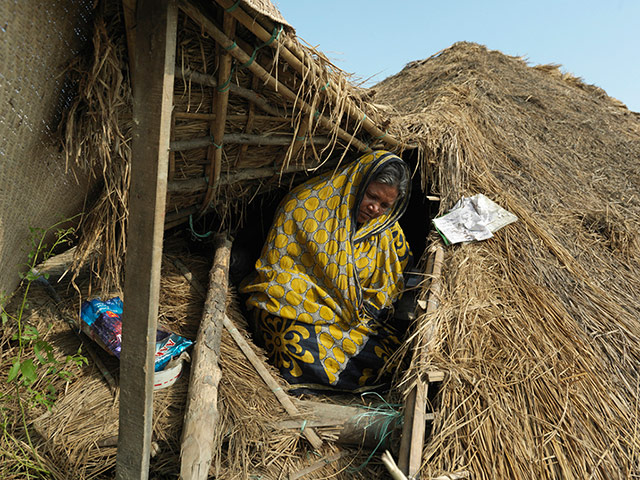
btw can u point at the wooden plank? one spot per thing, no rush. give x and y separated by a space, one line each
413 433
129 13
156 26
201 413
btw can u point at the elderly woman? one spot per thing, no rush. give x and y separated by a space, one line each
328 275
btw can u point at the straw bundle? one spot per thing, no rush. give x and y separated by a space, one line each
538 326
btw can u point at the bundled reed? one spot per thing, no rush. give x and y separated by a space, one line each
538 326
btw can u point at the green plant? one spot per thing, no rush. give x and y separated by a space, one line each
35 368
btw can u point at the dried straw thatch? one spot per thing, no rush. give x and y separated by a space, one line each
538 328
78 437
251 105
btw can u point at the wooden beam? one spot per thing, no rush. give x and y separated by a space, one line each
413 433
156 26
242 139
201 413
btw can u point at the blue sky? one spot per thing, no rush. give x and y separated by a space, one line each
598 41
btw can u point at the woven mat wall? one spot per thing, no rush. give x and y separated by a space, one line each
36 41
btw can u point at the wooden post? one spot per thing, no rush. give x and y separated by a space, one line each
413 431
201 413
156 26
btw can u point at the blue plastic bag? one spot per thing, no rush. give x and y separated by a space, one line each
102 321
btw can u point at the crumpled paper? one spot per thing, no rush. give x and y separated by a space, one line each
473 219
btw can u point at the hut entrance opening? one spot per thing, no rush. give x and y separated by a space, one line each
250 224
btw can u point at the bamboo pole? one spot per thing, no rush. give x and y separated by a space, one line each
231 118
210 81
242 139
282 397
248 127
194 185
265 76
286 49
221 101
413 432
300 137
201 412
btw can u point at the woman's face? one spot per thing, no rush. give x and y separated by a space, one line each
378 199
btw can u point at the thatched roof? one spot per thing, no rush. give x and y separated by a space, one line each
538 327
251 105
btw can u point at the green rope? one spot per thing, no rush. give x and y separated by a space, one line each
392 416
215 144
194 233
301 138
325 87
304 424
277 30
231 47
233 7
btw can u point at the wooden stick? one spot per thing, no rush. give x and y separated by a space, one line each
210 81
393 469
285 48
412 442
265 76
317 465
282 397
242 139
221 101
257 363
201 412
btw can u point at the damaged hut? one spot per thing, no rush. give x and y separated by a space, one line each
183 121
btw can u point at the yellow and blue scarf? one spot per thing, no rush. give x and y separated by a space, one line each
323 283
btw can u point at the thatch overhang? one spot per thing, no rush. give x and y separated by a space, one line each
251 107
537 328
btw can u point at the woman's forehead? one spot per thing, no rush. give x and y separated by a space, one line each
383 190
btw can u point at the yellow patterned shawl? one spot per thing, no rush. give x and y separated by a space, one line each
319 268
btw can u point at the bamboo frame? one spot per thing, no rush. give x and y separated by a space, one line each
206 80
265 76
299 63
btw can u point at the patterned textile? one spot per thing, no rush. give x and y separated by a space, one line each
323 284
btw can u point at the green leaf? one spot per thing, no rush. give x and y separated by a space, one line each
5 318
15 369
28 369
